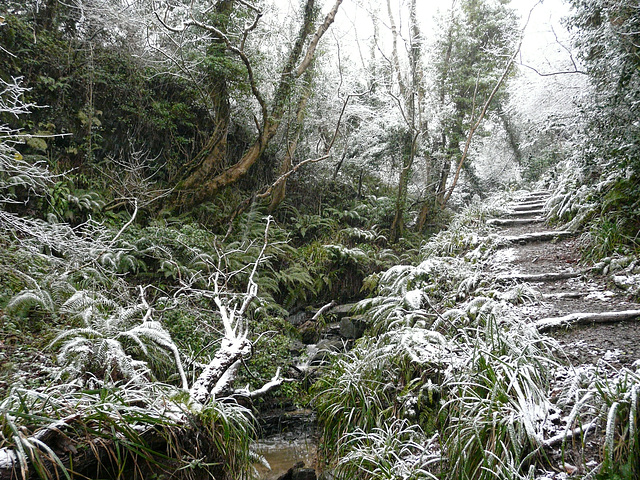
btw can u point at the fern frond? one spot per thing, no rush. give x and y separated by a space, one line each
28 299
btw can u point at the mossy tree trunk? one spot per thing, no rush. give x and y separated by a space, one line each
203 181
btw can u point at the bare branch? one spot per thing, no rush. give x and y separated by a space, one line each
311 50
549 74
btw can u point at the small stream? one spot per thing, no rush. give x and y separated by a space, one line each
282 453
288 438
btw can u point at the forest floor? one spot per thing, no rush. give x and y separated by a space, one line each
608 344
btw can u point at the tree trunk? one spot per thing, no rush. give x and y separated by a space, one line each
205 182
397 227
211 159
279 190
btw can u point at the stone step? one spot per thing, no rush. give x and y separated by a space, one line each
528 206
546 236
561 295
506 222
554 323
526 213
540 277
531 202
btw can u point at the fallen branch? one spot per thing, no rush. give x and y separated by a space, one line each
568 434
322 310
554 323
275 382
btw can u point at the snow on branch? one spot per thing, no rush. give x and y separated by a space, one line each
235 345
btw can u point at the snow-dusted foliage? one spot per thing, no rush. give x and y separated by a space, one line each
113 342
120 422
468 232
452 363
396 450
119 389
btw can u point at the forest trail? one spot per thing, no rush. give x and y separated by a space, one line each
604 322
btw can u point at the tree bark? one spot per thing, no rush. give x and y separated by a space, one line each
279 191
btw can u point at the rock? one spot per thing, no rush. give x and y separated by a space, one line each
298 472
309 332
304 474
332 329
341 311
298 318
353 327
296 348
289 424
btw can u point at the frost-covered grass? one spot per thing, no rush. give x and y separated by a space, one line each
605 210
468 231
132 429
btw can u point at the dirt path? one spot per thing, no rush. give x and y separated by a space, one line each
617 342
564 287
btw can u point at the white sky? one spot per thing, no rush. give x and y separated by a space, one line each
540 48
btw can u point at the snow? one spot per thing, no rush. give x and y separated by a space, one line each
7 458
599 295
612 355
414 299
505 256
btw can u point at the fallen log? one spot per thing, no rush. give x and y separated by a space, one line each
553 323
538 236
569 434
539 277
506 222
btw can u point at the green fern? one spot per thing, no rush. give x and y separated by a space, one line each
114 343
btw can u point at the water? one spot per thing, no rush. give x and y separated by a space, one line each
283 452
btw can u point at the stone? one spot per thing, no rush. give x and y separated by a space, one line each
304 474
341 311
298 319
309 332
299 472
353 327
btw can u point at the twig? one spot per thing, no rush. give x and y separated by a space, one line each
322 310
126 225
